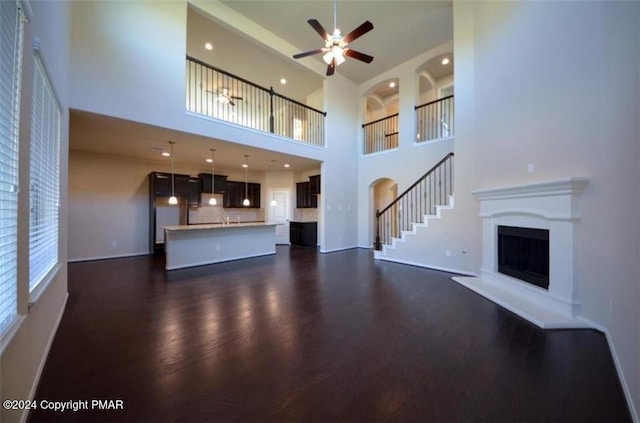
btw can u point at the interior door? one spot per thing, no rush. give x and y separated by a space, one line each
280 214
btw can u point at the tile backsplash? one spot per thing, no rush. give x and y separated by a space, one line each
305 215
216 214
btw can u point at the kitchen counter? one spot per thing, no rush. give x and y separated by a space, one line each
197 245
215 226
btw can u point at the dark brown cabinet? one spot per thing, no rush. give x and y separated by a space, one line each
160 184
304 198
303 233
236 193
314 184
220 183
193 192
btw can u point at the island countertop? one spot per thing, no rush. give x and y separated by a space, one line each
216 226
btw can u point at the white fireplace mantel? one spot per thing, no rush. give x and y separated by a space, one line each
551 205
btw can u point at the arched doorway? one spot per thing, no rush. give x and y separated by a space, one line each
383 192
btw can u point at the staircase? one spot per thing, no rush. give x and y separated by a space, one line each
403 223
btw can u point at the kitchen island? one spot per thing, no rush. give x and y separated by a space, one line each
197 245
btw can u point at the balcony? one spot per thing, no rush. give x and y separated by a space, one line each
435 120
381 135
218 94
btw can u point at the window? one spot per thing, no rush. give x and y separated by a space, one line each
11 19
44 174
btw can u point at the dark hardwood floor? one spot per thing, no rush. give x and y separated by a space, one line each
303 337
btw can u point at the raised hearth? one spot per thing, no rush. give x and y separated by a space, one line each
550 207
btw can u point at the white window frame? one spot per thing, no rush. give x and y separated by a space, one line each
9 176
44 204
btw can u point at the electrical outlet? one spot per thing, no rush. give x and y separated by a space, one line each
217 247
530 168
114 243
447 253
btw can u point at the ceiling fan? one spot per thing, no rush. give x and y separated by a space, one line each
224 97
335 45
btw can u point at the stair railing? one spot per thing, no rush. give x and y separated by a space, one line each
429 191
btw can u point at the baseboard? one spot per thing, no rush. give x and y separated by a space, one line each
428 266
76 260
43 361
333 250
366 247
616 362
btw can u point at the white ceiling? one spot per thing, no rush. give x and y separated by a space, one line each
402 29
107 135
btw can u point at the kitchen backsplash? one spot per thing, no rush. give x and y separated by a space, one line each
305 215
216 214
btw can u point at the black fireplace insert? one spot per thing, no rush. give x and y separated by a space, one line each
523 253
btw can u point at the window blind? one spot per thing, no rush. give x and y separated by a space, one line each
10 68
44 174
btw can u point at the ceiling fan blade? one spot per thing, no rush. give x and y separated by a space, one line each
319 28
307 53
331 68
236 97
358 32
231 102
358 56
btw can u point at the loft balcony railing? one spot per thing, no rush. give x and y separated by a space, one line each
435 119
381 134
216 93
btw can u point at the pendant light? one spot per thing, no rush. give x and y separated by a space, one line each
273 199
212 200
172 200
246 201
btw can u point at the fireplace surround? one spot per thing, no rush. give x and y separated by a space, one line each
550 207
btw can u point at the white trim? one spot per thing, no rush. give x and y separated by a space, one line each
204 263
256 131
10 331
366 247
378 153
616 362
26 8
115 256
428 266
433 141
43 361
43 284
573 185
333 250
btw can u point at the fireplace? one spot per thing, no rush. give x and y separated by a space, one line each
523 253
528 242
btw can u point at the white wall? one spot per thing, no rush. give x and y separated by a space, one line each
109 202
556 85
24 356
128 62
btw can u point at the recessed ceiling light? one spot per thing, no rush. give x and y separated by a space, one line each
445 61
166 153
245 165
209 160
208 46
287 165
392 84
283 81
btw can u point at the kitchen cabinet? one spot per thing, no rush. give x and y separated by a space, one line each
193 192
220 183
314 184
303 233
160 184
236 193
304 199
